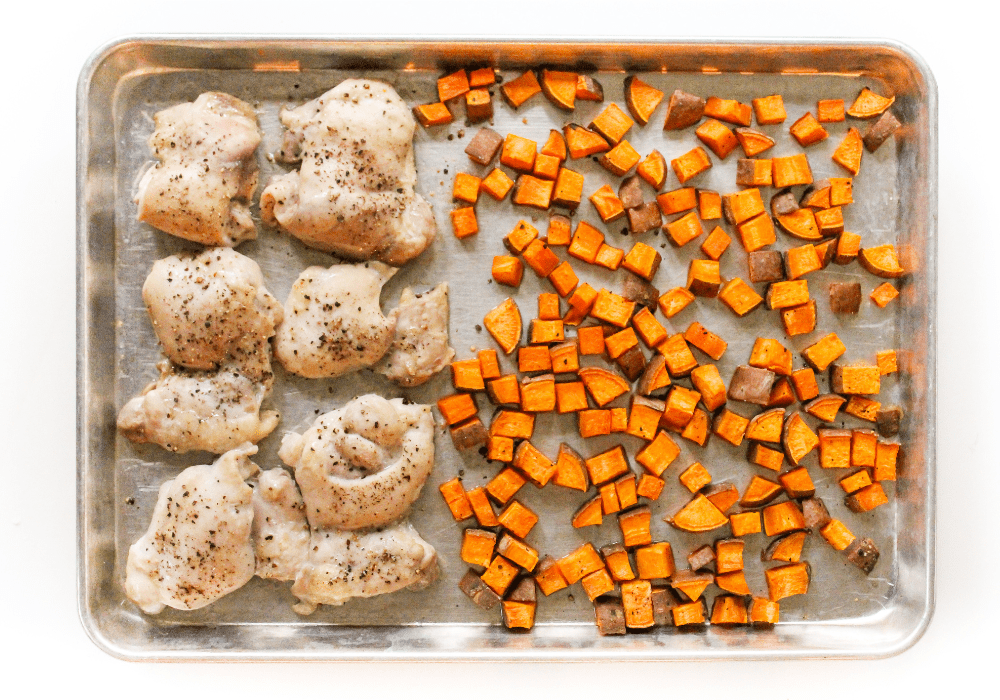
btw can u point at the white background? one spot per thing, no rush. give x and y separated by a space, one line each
44 647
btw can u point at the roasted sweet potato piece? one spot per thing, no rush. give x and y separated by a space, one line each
496 184
719 138
742 206
787 548
756 233
730 426
681 404
690 583
753 172
634 525
607 465
484 146
799 319
817 195
754 143
800 224
582 142
478 591
454 497
791 170
881 261
707 380
658 454
454 85
676 201
463 222
653 169
802 260
825 407
863 554
548 307
477 547
469 434
518 552
533 358
630 192
641 99
610 257
695 477
781 295
685 229
814 513
581 561
499 448
759 492
530 191
683 110
769 110
830 110
766 426
876 134
763 612
729 610
783 517
650 486
505 484
610 614
644 417
855 379
845 297
824 352
869 104
798 439
625 490
678 356
716 243
559 87
504 391
701 558
768 353
591 423
837 534
549 577
886 455
798 483
620 159
834 448
706 341
612 123
612 308
751 384
673 301
742 524
617 561
607 204
530 461
478 105
504 323
733 582
692 163
703 278
590 513
648 328
434 114
740 297
588 89
513 424
655 561
849 152
807 130
867 498
457 408
518 519
519 90
765 457
883 294
597 584
731 111
855 481
642 260
546 167
699 515
465 188
482 508
520 237
888 420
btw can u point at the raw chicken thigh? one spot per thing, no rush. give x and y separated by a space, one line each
207 174
187 410
420 346
198 546
362 465
353 195
344 565
280 530
212 308
333 323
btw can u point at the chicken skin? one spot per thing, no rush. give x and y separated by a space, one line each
187 410
353 195
363 465
213 308
207 173
420 346
333 323
198 546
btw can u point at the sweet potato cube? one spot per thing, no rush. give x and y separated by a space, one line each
533 358
434 114
559 87
534 465
482 77
453 85
754 143
504 323
607 204
766 426
568 190
513 424
757 233
709 204
695 477
656 456
728 556
590 513
797 483
881 261
883 294
466 375
518 519
798 438
723 496
867 498
697 428
791 170
759 492
751 384
570 397
829 111
469 434
607 465
684 230
740 297
518 91
783 517
680 361
707 380
505 484
886 455
637 601
771 354
478 105
457 408
489 365
580 562
673 301
765 457
484 146
518 552
466 188
500 448
753 172
681 404
719 138
801 261
610 614
837 535
742 524
788 580
653 169
644 417
454 496
676 201
518 153
731 111
706 341
781 295
703 278
648 327
482 508
609 499
634 525
769 110
856 481
497 184
855 379
716 243
617 561
463 222
655 561
877 133
692 163
642 260
610 257
477 547
804 382
531 191
763 612
545 332
730 426
742 206
729 610
546 167
597 583
651 487
625 490
807 130
830 221
612 308
549 577
504 391
699 515
689 613
560 230
620 159
612 123
555 145
800 319
591 340
586 242
602 385
500 574
849 152
582 142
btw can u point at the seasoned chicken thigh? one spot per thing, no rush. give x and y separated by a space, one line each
362 465
353 195
344 565
212 308
333 323
187 410
280 530
207 174
198 546
420 346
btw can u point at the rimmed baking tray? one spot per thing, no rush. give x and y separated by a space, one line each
844 615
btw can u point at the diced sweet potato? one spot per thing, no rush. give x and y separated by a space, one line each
656 456
691 584
719 138
505 484
478 591
692 163
518 519
863 554
788 580
519 90
837 535
602 385
729 610
607 204
791 170
590 513
683 110
434 114
482 508
807 130
477 547
513 424
787 548
469 434
499 575
612 123
580 562
769 110
699 515
620 159
568 190
653 169
783 517
549 577
877 133
610 615
504 323
582 142
684 230
655 561
695 477
798 439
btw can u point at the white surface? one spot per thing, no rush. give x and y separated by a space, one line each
45 645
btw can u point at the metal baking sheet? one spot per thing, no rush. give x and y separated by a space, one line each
844 615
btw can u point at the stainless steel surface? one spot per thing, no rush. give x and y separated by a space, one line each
844 614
